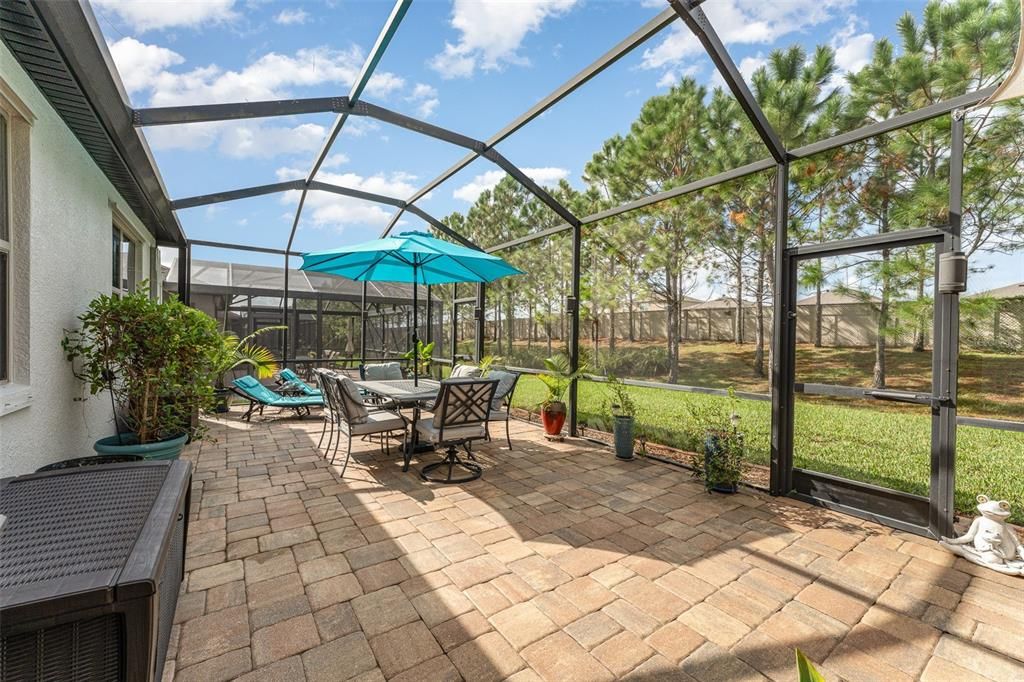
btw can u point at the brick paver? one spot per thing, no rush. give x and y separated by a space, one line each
561 563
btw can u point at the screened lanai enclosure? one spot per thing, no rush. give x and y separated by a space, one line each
800 249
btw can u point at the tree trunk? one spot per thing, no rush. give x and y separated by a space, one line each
672 324
817 310
878 376
611 329
921 332
759 320
632 321
510 331
737 330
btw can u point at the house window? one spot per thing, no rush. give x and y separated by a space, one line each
124 273
5 254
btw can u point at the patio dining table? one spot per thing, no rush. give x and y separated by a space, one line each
405 393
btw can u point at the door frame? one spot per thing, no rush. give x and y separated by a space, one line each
930 516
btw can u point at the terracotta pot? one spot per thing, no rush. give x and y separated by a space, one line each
552 416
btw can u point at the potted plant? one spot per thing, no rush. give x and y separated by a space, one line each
234 353
722 445
623 410
424 355
557 379
156 361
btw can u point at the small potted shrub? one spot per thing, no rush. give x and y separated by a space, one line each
556 378
156 360
235 353
722 446
623 410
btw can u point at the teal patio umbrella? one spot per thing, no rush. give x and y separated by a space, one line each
415 258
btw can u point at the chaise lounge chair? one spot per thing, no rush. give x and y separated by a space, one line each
295 383
259 396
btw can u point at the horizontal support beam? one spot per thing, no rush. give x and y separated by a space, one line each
892 124
998 424
416 125
688 188
871 242
203 113
240 247
541 234
232 195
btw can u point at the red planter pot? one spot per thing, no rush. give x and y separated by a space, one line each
552 416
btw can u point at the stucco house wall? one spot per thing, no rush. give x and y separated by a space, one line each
63 263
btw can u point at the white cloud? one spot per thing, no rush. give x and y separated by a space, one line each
152 15
271 76
472 190
288 17
668 79
326 210
147 71
743 22
260 141
240 140
142 62
334 160
425 97
853 52
491 33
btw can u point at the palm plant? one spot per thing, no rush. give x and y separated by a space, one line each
244 352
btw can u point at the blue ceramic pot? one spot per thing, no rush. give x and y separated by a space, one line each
624 437
128 444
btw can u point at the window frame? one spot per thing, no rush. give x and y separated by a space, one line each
6 249
121 234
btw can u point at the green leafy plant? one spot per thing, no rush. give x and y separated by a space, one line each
157 360
806 669
622 403
423 354
557 377
244 352
487 363
723 443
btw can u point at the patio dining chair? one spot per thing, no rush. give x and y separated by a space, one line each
294 382
259 396
460 416
501 404
350 416
461 371
382 371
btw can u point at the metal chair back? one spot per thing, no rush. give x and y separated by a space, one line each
463 403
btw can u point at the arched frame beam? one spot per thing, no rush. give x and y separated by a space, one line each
247 192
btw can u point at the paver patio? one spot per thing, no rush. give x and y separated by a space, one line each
559 564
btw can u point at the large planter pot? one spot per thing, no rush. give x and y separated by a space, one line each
713 449
624 436
552 416
221 396
128 444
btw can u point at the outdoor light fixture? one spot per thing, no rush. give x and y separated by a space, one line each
952 272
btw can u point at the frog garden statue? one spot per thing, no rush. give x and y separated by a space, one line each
990 541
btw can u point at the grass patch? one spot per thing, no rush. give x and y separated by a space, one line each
888 448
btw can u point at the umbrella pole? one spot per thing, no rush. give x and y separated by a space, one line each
415 326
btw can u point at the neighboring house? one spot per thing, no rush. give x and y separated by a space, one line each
82 210
993 319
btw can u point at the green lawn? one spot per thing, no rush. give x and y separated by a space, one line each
889 448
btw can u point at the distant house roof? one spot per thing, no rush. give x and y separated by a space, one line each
1009 291
835 298
717 304
215 277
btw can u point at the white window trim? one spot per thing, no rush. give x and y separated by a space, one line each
121 222
13 396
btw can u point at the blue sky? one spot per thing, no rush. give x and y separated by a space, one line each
469 66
